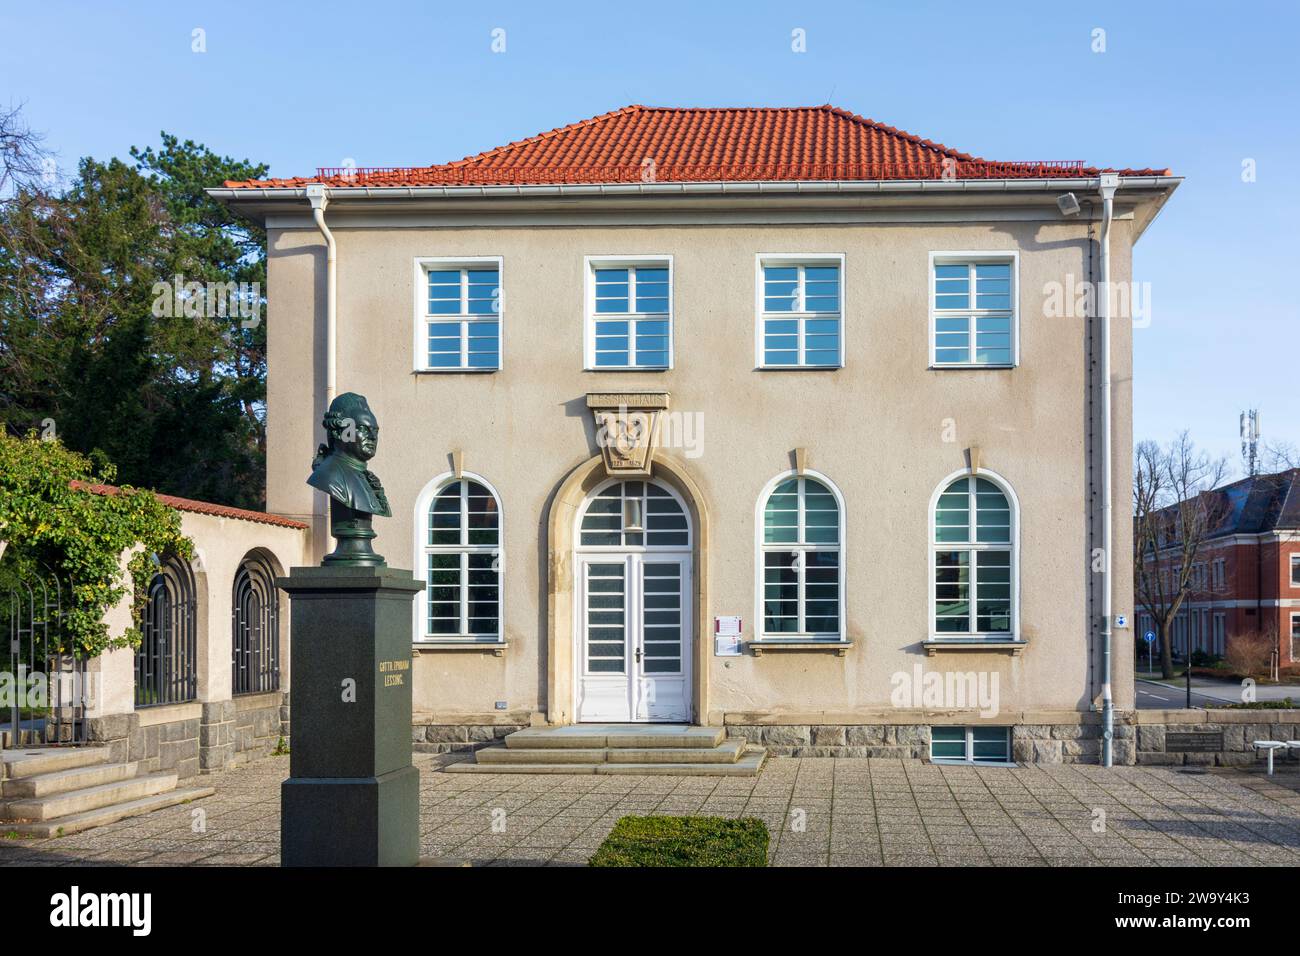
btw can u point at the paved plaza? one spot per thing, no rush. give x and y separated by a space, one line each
841 812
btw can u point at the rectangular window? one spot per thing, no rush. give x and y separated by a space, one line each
973 310
1295 570
459 313
629 314
799 307
1295 638
989 745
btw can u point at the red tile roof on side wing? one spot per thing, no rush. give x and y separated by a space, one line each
202 507
667 144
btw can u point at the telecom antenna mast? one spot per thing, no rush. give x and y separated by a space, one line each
1250 440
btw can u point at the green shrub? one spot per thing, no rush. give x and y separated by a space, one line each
684 841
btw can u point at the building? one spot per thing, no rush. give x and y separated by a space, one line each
667 374
1246 577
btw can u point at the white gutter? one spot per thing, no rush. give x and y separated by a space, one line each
699 188
319 198
1107 186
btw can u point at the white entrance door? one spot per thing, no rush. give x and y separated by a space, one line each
635 637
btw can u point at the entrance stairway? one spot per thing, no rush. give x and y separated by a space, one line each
619 748
57 791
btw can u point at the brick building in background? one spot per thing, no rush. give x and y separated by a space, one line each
1246 578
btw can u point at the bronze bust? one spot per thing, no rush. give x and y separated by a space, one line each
340 471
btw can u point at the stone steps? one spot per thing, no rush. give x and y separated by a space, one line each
618 749
30 763
52 791
61 781
75 823
87 798
729 751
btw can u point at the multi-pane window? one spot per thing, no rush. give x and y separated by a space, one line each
974 312
462 555
630 316
970 744
462 317
801 314
973 551
800 549
634 514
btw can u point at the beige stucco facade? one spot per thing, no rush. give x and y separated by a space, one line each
886 429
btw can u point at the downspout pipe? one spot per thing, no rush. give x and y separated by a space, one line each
319 198
1108 185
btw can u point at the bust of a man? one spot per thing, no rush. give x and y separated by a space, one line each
340 466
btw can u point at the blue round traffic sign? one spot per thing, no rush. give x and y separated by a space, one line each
1150 636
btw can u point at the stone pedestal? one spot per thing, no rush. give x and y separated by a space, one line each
352 798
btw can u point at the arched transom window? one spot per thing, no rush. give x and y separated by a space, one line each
462 554
802 570
634 514
973 548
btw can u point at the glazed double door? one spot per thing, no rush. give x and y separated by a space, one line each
634 644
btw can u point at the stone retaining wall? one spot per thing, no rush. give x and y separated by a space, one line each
236 731
1240 730
163 745
1141 737
196 737
438 738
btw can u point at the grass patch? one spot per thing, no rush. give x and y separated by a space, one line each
684 841
1283 704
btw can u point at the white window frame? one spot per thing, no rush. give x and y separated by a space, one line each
800 259
420 328
761 548
1295 566
942 258
1291 641
975 637
589 318
969 760
423 502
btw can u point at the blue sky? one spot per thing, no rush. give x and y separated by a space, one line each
1193 87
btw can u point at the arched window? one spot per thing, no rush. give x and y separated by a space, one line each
802 536
255 627
462 563
972 546
166 662
634 514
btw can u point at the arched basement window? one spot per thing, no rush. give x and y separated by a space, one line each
973 561
462 548
255 628
802 538
166 662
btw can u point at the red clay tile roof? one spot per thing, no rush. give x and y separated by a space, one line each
662 144
201 507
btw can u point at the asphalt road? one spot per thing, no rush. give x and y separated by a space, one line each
1152 696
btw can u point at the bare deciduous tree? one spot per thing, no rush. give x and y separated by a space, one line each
1175 509
1280 456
